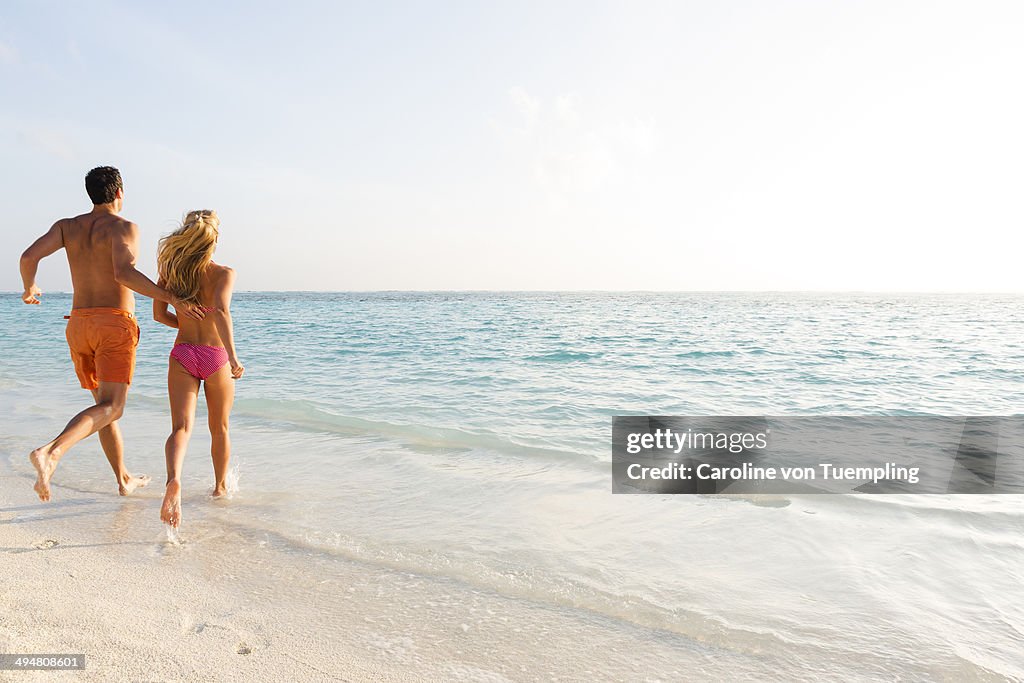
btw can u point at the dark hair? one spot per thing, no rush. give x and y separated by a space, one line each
102 184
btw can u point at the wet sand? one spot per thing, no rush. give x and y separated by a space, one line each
140 608
95 574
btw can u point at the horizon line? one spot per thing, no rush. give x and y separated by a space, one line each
595 291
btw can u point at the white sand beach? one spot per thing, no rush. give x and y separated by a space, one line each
143 609
93 574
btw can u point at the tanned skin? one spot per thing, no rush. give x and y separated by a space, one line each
217 329
101 248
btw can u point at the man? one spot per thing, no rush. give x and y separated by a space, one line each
102 332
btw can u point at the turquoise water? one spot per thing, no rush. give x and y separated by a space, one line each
466 435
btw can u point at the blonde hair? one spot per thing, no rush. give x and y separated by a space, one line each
183 256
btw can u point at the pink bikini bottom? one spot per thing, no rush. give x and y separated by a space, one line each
199 361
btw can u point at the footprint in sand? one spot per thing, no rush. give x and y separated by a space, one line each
244 649
45 544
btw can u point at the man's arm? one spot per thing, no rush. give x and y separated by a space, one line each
160 312
222 320
52 241
123 248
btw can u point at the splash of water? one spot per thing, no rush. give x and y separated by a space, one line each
173 537
231 482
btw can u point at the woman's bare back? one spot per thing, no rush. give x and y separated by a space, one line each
204 332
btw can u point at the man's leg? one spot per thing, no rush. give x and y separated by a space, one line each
110 398
113 448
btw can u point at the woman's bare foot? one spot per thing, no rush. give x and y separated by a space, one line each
170 511
132 482
219 491
45 462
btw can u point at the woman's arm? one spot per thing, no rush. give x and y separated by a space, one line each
160 312
222 320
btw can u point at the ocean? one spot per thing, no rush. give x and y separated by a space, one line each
465 437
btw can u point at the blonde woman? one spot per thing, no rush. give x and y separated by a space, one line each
204 351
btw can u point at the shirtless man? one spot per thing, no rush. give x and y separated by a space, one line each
102 332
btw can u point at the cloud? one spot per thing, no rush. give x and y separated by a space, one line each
49 141
8 54
638 136
569 150
75 53
527 105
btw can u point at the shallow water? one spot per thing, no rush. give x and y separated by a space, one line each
465 437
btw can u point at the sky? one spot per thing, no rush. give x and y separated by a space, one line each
716 145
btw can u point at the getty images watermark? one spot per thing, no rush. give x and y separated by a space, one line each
730 454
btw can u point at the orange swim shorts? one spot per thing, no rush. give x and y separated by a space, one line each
102 343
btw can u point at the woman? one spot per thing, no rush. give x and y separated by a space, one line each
204 351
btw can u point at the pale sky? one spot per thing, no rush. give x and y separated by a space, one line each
769 145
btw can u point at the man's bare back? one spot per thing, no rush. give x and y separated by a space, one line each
88 241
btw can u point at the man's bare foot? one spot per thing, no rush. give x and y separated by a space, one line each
170 510
45 462
134 481
219 491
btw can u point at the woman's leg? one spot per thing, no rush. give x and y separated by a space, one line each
183 391
220 396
